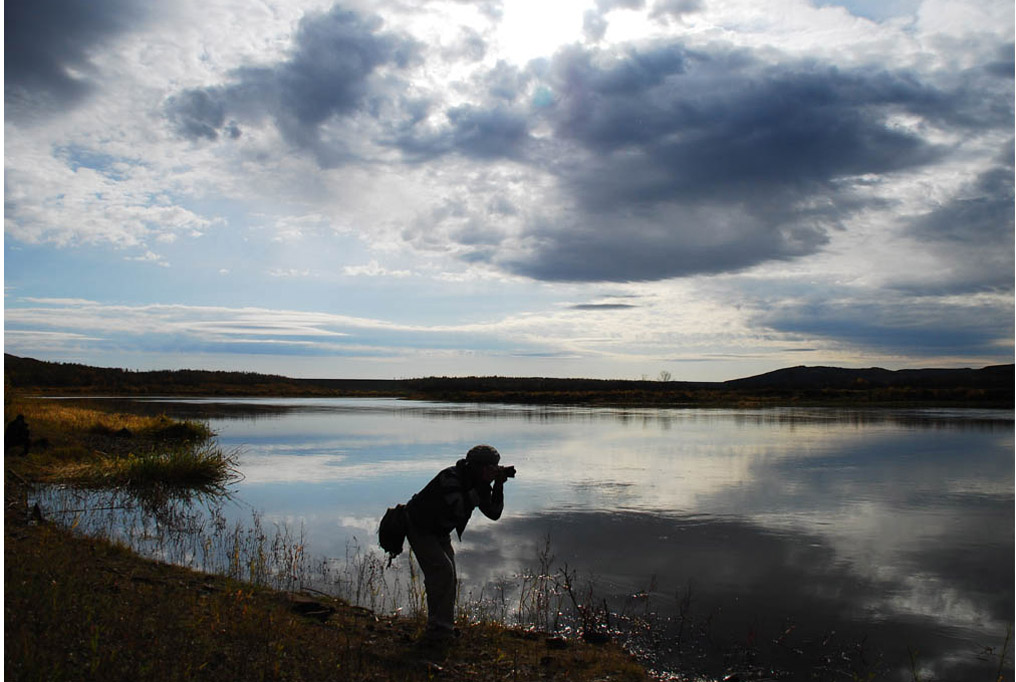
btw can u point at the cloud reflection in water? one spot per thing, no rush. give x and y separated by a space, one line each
896 526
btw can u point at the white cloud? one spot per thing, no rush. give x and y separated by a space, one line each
149 257
289 273
374 269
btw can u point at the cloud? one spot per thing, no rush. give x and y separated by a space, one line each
199 113
608 5
891 323
149 257
211 329
661 161
285 273
72 198
969 231
469 46
59 301
676 8
331 72
686 162
594 26
634 162
602 306
479 133
374 269
47 46
44 339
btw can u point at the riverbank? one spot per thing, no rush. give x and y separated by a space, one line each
85 609
82 609
988 387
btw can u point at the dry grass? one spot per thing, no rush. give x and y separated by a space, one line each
84 609
59 421
91 448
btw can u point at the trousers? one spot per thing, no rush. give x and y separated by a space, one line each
436 557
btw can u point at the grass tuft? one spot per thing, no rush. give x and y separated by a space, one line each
91 448
202 467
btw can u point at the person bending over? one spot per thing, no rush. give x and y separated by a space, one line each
445 504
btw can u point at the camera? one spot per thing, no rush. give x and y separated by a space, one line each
507 472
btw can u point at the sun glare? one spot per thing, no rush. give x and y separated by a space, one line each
536 28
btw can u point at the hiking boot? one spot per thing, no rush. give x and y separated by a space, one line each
436 634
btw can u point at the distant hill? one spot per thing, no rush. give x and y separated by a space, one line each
995 376
989 386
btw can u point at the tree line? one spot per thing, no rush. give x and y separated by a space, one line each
986 387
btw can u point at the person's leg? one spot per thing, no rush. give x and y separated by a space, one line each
437 561
445 598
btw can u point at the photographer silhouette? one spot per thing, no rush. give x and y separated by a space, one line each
446 504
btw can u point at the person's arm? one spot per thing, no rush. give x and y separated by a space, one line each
491 501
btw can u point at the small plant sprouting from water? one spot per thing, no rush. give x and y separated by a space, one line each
260 558
364 578
912 654
1003 652
187 530
539 598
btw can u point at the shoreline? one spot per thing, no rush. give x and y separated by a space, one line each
826 399
81 608
988 387
85 608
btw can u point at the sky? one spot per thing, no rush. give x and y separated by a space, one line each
690 189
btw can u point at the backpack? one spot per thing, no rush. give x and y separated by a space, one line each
391 534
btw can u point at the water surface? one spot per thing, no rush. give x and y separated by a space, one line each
884 537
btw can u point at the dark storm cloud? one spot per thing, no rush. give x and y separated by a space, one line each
1005 65
497 129
47 45
688 162
918 327
983 214
975 231
616 246
671 161
197 113
793 131
481 133
675 162
329 74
